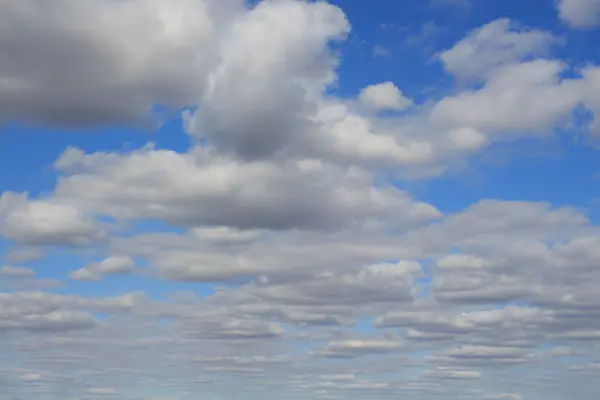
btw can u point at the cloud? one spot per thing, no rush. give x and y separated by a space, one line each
114 265
16 272
527 97
356 348
579 14
23 278
102 391
384 96
499 43
126 57
447 373
258 106
379 283
39 222
310 273
205 188
502 396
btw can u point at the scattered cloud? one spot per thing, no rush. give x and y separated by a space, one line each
286 248
579 14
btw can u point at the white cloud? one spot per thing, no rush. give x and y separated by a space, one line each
152 52
504 396
102 391
84 274
45 222
259 106
290 207
357 348
467 138
581 14
527 97
590 85
497 44
205 188
16 272
114 265
384 96
447 373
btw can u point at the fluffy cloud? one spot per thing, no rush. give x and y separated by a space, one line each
528 97
41 222
205 188
259 106
126 57
492 46
26 311
311 274
384 96
514 89
579 14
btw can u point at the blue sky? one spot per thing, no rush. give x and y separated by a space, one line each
314 200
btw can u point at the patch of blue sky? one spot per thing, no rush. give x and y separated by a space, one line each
58 263
563 176
365 325
29 167
5 246
150 226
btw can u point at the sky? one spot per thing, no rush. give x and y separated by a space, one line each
291 199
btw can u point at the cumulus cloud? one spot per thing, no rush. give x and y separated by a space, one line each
384 96
311 274
258 106
580 14
40 222
528 97
494 45
126 57
205 188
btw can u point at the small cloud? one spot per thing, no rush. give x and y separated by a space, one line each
114 265
504 396
384 96
16 272
84 274
24 254
102 391
32 377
